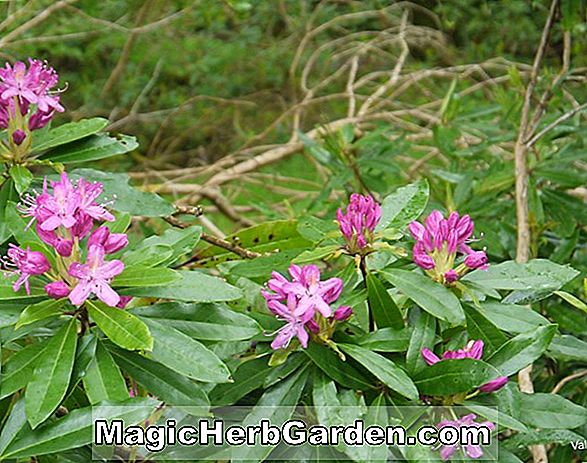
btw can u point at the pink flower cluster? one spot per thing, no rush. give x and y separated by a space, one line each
64 218
302 303
21 89
473 350
358 223
439 241
471 450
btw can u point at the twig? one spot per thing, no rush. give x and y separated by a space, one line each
568 379
235 249
539 454
553 124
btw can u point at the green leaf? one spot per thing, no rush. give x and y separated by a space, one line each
40 311
103 380
181 241
522 350
551 411
429 295
148 257
22 178
91 148
480 327
496 416
67 133
76 429
178 351
121 327
511 318
212 322
194 286
342 372
386 340
422 336
314 255
128 199
14 425
169 386
567 347
404 205
137 275
537 274
18 370
294 361
575 302
7 194
85 352
51 376
384 369
247 377
18 227
385 313
449 377
277 405
376 416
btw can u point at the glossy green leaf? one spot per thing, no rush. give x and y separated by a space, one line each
150 256
18 370
181 242
169 386
404 205
551 411
386 340
103 380
193 286
247 377
495 415
67 133
429 295
91 148
522 350
342 372
40 311
383 369
7 194
185 355
537 274
449 377
567 347
422 336
511 318
120 326
76 429
574 301
479 327
385 313
213 322
128 198
137 275
22 178
51 376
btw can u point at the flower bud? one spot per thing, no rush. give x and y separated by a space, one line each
124 301
451 276
18 137
494 385
343 313
313 326
57 289
476 259
429 357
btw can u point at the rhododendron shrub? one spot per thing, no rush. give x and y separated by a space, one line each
384 299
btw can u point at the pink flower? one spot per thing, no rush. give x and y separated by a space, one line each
312 294
472 350
63 246
343 313
296 321
358 223
439 241
124 301
32 86
495 384
111 242
18 136
57 289
88 193
430 357
94 277
472 450
60 207
28 263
